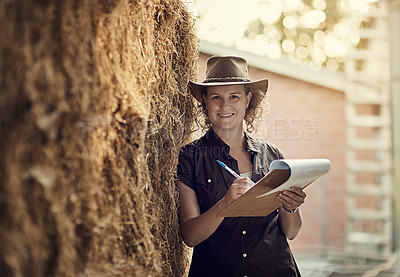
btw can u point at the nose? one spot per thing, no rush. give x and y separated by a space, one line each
224 103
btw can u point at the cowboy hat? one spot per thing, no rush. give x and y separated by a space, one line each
224 71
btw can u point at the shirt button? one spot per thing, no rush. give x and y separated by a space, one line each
244 232
209 180
244 255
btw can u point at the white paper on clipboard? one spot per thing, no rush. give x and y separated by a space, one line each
302 172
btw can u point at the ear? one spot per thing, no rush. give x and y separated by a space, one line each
249 96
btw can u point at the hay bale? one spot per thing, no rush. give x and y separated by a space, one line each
93 110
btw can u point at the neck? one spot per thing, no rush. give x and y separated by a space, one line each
233 137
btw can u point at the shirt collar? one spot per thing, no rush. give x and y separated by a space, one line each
217 144
215 141
253 145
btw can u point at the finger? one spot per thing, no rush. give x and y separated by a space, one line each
287 201
243 180
250 181
298 191
244 183
240 184
291 195
296 197
238 187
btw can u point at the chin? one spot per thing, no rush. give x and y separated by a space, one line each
226 127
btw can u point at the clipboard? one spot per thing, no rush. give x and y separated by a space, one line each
262 199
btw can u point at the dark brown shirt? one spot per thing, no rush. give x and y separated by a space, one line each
241 246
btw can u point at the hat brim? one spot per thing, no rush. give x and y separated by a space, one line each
197 89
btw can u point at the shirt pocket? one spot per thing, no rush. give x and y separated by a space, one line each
210 189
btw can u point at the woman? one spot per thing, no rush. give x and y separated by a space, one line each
240 246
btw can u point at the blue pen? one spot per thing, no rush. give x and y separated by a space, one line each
229 169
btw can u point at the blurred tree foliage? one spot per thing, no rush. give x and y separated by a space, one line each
303 45
314 32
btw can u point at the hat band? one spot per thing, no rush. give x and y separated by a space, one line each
226 79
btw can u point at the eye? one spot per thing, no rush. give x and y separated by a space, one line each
215 97
234 96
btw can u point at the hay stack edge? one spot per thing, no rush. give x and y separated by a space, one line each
93 110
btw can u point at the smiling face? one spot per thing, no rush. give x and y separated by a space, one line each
226 106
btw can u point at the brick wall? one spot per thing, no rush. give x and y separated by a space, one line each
308 121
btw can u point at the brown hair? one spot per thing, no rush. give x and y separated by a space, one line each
254 111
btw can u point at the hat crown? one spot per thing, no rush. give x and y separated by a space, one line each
223 68
224 71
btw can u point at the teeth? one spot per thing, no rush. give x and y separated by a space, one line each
225 115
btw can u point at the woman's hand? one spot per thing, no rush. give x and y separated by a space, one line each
293 198
237 189
291 222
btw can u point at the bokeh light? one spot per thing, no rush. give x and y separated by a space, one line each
315 32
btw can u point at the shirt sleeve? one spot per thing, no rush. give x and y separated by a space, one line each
185 170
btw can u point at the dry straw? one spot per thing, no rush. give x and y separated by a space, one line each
93 110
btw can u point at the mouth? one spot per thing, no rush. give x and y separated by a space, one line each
225 115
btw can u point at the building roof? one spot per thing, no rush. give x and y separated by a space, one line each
323 77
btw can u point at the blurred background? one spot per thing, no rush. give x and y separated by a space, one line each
333 68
